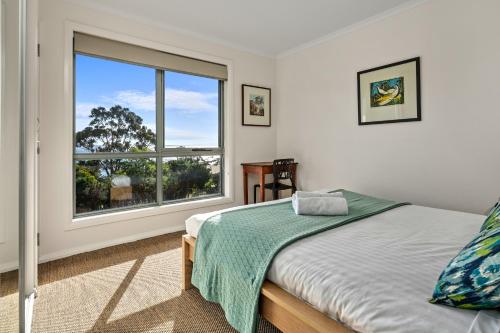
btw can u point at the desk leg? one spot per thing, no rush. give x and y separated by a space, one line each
245 187
262 189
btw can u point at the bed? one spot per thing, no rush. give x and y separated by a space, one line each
374 275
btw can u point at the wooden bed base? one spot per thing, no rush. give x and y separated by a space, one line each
282 309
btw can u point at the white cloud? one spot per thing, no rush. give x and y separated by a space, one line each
190 101
83 109
135 100
175 136
175 99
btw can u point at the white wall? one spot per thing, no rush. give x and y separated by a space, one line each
55 167
9 141
448 160
451 159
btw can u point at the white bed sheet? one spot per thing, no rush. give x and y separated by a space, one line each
375 275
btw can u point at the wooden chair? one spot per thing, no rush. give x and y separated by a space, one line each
282 170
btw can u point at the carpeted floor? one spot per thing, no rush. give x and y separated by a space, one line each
134 287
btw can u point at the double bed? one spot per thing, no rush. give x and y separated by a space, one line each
375 275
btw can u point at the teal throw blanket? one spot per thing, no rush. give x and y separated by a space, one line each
234 250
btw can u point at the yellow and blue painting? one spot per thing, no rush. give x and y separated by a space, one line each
387 92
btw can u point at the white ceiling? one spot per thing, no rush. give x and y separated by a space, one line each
268 27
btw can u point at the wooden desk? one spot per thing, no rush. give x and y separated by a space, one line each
262 169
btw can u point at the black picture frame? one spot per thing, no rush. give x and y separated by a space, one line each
418 93
243 101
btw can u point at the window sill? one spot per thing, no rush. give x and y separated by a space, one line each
95 220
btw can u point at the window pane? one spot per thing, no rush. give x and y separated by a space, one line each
115 106
191 177
106 184
191 111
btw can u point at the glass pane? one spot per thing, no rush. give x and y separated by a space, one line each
115 106
191 177
191 111
106 184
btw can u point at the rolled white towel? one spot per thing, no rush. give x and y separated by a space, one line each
304 194
320 205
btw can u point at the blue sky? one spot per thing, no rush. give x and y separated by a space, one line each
191 102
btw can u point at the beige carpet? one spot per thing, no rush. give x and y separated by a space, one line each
133 287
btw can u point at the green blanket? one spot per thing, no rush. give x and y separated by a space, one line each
235 249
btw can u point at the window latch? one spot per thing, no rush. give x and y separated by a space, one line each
201 149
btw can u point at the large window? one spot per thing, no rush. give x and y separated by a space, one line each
144 134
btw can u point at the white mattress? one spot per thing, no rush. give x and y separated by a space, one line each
375 275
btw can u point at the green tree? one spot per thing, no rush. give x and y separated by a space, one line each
187 177
115 130
92 190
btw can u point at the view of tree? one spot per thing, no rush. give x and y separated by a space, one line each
121 130
115 130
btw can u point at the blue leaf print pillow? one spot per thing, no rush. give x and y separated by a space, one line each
472 279
493 219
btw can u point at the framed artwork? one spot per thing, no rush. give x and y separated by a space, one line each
256 108
390 94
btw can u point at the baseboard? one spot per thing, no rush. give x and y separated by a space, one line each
97 246
9 266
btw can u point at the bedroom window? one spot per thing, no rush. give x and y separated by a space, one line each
147 127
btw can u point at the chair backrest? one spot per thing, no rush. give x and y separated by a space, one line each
282 169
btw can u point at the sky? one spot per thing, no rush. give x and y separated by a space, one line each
191 102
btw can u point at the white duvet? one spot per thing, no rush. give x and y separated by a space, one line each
375 275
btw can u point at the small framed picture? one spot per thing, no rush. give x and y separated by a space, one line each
256 110
390 94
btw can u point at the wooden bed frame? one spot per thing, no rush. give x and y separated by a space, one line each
282 309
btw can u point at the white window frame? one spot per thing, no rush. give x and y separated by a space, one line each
133 214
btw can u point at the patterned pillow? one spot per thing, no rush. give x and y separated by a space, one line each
493 219
472 279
